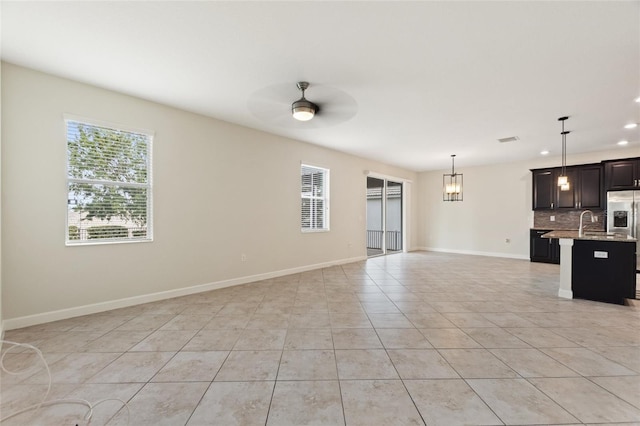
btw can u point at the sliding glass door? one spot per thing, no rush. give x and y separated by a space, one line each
384 216
393 208
375 217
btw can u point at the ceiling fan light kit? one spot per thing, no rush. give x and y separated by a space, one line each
302 109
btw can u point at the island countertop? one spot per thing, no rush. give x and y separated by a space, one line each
590 235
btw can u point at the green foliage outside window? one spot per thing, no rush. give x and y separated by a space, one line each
74 232
107 231
107 170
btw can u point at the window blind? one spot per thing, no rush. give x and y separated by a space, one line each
314 198
109 184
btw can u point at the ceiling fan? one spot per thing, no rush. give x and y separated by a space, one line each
280 105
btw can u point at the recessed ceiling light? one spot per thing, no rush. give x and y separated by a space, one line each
544 152
631 126
623 142
638 99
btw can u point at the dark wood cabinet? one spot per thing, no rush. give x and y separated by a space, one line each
622 174
544 189
546 250
590 190
586 188
603 270
568 199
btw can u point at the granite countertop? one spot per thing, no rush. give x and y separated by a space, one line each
544 228
589 235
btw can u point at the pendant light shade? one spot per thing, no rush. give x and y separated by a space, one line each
302 109
563 180
452 184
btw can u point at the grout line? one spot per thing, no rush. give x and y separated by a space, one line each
335 358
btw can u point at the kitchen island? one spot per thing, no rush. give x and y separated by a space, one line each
596 265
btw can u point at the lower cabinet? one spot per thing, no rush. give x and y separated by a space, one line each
603 270
545 250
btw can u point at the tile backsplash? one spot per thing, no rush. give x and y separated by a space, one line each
568 220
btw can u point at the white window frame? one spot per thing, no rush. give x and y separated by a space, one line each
325 198
148 185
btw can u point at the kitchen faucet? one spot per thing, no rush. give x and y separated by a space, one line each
580 232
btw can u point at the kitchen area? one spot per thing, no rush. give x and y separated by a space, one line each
590 227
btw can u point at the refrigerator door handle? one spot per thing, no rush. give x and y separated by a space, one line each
634 214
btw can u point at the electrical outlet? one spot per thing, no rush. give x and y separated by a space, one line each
243 257
552 218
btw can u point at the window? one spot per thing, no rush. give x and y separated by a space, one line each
315 198
109 184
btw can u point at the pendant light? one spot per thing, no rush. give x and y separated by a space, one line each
302 109
563 180
452 184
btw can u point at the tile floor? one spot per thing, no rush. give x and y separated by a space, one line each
407 339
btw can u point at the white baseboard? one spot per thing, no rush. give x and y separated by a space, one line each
45 317
567 294
476 253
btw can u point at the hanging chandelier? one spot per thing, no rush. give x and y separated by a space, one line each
563 180
452 184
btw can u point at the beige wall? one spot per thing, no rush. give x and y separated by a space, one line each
496 206
220 190
1 316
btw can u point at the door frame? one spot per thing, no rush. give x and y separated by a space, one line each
406 183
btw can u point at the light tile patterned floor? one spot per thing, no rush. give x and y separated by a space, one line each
407 339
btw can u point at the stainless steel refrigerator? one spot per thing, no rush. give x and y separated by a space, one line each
623 215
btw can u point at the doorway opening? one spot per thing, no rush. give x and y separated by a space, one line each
384 217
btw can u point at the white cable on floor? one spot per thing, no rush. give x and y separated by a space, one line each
44 402
17 373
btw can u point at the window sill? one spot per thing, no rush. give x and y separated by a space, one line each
101 243
313 231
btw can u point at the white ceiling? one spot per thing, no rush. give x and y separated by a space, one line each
425 79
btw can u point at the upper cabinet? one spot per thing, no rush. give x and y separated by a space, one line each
586 188
589 184
622 174
544 186
568 199
590 188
